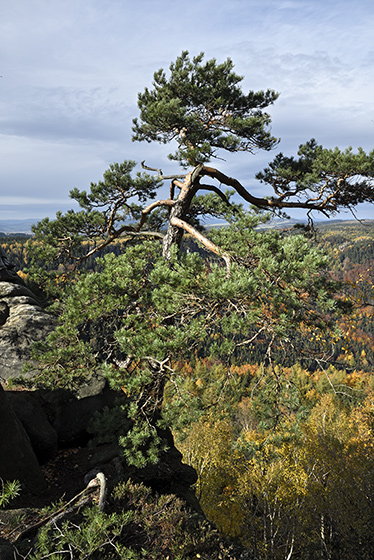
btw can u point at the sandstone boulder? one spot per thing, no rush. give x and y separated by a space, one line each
22 321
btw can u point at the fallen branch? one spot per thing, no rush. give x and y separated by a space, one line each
63 511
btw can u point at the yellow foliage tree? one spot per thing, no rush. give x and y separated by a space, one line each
302 489
209 449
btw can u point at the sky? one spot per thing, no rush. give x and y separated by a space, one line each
71 70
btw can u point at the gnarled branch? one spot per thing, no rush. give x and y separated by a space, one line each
148 210
271 203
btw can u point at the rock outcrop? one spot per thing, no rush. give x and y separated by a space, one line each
43 437
22 321
36 426
18 460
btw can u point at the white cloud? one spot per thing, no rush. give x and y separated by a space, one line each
72 69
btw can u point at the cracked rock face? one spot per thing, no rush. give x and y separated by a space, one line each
22 321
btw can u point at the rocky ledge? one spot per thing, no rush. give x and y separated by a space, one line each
45 435
22 321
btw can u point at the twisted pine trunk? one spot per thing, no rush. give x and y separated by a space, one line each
179 210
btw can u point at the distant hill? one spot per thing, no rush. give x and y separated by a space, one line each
17 226
276 223
24 226
332 224
280 223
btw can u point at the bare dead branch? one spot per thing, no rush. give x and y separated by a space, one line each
103 490
159 173
72 505
250 339
204 240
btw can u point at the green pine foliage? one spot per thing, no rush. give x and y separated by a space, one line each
9 490
341 179
202 107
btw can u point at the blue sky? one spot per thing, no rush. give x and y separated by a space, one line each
71 71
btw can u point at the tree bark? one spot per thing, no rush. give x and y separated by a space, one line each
174 233
180 209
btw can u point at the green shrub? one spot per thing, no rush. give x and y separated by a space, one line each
141 525
10 489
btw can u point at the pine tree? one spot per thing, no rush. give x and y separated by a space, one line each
155 304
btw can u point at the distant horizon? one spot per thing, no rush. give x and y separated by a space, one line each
37 211
23 225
